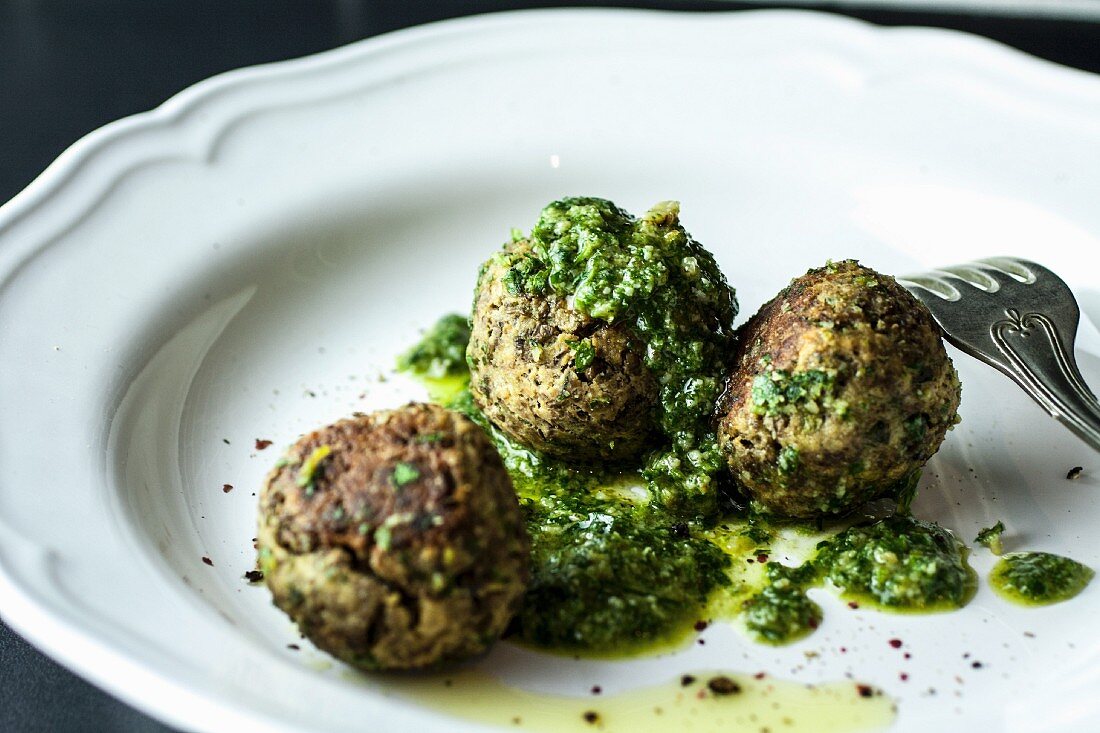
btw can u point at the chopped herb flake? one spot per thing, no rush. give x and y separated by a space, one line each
404 474
583 354
991 537
308 472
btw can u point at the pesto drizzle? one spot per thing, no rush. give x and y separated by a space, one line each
1039 578
609 574
612 574
781 612
898 562
442 350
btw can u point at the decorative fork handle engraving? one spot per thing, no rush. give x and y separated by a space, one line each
1041 361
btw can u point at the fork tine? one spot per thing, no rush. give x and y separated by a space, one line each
997 274
974 275
1018 274
932 283
1023 270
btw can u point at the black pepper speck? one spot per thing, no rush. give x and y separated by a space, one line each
723 685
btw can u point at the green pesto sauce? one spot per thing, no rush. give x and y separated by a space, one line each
899 563
614 572
1038 578
781 612
608 576
442 350
610 572
780 392
648 273
533 474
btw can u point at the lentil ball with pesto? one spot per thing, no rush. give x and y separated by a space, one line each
841 391
395 540
555 379
602 337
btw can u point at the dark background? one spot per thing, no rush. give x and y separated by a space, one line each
70 66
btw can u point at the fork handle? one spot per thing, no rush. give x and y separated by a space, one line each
1041 361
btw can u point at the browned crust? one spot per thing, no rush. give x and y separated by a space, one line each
396 573
890 367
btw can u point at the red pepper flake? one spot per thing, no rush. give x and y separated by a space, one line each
596 689
760 675
591 717
853 604
904 677
253 576
896 643
208 561
226 488
843 650
686 680
261 444
761 558
812 622
865 690
723 685
908 655
293 647
701 625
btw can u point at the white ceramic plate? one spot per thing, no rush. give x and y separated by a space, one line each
244 261
1082 9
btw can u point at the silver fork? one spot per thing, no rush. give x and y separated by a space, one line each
1020 318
